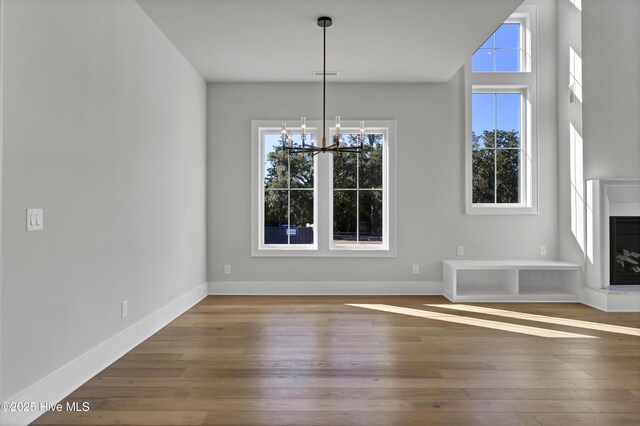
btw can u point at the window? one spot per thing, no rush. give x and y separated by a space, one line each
502 52
497 147
359 199
353 217
289 194
501 160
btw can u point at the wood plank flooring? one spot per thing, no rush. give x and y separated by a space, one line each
319 361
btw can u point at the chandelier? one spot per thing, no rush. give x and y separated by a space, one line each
338 146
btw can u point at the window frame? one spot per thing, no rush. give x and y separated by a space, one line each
523 18
323 194
525 82
261 194
385 193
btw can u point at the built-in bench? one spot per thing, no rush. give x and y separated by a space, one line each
510 281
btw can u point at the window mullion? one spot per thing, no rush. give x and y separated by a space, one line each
289 199
358 198
495 149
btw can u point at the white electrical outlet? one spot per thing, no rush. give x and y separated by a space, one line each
227 269
415 269
543 250
460 250
124 308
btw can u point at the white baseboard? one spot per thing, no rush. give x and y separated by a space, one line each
57 385
611 301
263 288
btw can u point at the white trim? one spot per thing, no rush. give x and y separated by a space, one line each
611 301
57 385
2 14
297 288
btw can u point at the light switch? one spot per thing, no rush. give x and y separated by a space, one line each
35 219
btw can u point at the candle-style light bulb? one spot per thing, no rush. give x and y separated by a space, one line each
283 133
303 123
337 122
362 129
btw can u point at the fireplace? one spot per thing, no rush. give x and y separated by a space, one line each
624 235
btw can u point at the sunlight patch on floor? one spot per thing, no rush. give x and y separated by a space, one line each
496 325
542 318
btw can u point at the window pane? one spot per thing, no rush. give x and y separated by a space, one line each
371 162
345 216
482 60
275 216
483 176
301 170
345 170
275 163
490 43
508 35
301 219
483 119
508 119
508 60
508 175
371 217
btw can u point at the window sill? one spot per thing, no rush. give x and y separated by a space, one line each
333 253
501 210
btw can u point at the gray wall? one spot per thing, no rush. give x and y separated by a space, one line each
430 176
611 54
104 128
430 183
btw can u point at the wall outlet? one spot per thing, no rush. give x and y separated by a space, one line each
227 269
543 250
124 308
460 250
415 269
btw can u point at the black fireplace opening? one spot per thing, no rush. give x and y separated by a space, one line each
624 236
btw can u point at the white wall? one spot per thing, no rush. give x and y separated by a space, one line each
608 116
569 36
104 128
611 54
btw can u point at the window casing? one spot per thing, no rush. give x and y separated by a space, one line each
361 226
506 125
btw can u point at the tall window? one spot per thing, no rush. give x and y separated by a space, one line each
289 194
501 136
497 147
358 194
327 204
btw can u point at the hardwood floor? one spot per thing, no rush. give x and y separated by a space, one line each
321 361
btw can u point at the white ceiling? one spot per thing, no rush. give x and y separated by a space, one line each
370 40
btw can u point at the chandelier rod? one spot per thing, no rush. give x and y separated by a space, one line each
324 84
